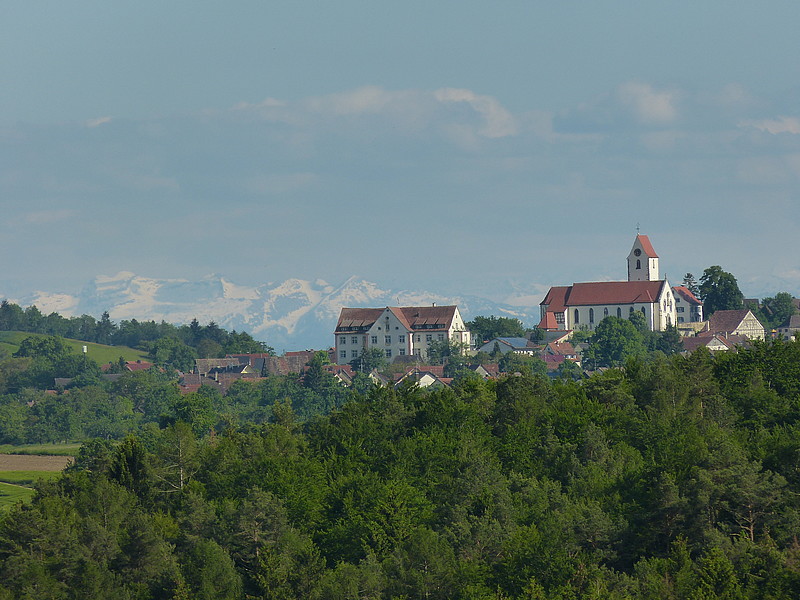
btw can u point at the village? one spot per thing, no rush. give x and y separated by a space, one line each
428 345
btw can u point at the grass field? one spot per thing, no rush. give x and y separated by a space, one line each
26 478
18 473
42 449
11 494
100 353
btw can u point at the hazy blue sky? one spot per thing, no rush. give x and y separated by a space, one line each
490 148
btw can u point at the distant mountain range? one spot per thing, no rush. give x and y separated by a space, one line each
293 315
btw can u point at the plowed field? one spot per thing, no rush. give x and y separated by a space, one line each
33 462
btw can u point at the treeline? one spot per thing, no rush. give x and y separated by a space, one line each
205 340
671 478
138 401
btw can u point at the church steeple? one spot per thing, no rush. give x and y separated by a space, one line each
642 261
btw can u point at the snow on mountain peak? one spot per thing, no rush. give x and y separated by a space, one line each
295 313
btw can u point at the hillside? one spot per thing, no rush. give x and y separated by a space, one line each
100 353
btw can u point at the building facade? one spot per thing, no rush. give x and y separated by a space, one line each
584 305
397 331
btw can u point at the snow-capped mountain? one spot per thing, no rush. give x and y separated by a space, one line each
291 315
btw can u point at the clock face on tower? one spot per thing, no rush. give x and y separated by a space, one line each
637 252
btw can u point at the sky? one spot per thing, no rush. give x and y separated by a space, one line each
462 147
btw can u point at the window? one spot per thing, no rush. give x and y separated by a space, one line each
591 315
630 311
388 353
387 339
440 337
619 312
577 317
354 354
605 312
428 337
680 309
638 264
419 337
354 340
643 311
559 317
342 339
343 354
401 339
374 339
402 351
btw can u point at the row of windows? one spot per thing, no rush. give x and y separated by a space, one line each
605 314
387 339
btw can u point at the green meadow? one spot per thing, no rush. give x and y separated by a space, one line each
100 353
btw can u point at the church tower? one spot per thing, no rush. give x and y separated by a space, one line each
642 261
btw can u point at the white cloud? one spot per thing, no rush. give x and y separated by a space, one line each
92 123
775 126
41 217
498 121
648 105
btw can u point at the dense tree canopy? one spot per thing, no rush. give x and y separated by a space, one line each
673 478
484 329
719 291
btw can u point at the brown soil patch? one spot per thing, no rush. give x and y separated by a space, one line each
33 462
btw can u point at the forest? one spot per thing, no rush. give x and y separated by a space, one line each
670 477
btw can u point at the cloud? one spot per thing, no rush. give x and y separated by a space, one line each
498 121
648 105
775 126
421 110
92 123
42 217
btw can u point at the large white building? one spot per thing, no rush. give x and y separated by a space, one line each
584 305
398 331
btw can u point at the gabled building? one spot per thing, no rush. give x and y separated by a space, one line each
789 328
510 344
740 322
687 307
397 331
584 305
715 342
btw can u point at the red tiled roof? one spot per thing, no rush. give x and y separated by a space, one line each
686 294
412 317
726 320
647 247
138 365
548 321
614 292
556 298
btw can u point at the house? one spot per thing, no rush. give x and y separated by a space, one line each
714 342
424 377
397 331
733 323
687 307
510 344
584 305
789 328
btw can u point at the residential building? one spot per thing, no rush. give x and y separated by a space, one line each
687 307
584 305
789 328
397 331
735 322
510 344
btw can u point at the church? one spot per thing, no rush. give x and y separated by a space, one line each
584 305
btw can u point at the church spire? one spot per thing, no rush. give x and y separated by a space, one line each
642 260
